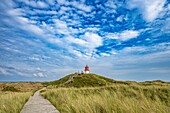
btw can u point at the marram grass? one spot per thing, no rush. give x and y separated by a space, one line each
12 102
111 99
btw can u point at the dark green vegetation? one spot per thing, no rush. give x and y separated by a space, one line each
10 88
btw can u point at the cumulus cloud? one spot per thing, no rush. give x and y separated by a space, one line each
86 44
150 9
93 40
123 36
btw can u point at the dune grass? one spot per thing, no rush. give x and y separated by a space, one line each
111 99
13 95
12 102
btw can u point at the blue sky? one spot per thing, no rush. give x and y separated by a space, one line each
43 40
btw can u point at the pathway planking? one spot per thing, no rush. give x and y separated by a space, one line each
37 104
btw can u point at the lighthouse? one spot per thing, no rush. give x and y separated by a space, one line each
87 69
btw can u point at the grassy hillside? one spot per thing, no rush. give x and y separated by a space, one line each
60 81
94 80
82 80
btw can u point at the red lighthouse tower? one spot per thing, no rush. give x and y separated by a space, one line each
87 69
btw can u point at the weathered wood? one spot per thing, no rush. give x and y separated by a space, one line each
37 104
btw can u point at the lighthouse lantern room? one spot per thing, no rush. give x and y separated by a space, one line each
87 69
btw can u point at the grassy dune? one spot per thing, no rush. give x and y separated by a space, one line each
12 102
20 86
111 99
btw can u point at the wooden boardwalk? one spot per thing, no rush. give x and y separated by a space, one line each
37 104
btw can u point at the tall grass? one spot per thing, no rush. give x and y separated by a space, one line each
12 102
111 99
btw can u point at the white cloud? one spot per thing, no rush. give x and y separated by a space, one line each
39 74
150 9
16 12
33 28
77 53
93 40
134 49
41 4
54 40
104 54
88 42
61 27
125 35
92 29
63 9
36 11
113 52
22 22
75 40
82 6
76 4
60 24
34 58
120 18
110 4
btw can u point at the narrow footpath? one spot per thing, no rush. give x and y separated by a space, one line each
37 104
